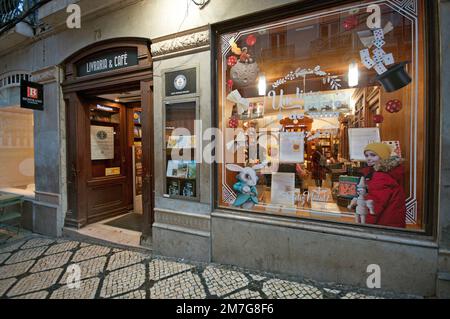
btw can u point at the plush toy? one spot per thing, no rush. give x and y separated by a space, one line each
246 185
363 206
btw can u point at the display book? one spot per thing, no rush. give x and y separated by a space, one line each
181 175
181 178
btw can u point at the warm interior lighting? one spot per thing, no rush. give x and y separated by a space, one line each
353 74
104 108
262 85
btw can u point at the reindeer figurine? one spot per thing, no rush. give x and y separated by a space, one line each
246 185
363 206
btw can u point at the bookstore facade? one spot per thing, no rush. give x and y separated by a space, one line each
326 122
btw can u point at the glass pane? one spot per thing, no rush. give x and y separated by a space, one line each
181 167
326 113
16 148
106 152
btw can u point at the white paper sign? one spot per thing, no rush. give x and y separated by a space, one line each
102 142
292 147
359 138
283 189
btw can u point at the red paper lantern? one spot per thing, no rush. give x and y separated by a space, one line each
251 40
378 118
230 84
350 23
393 106
233 122
232 60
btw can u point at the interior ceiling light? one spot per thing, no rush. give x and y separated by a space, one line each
353 74
200 3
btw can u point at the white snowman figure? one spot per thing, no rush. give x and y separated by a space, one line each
363 206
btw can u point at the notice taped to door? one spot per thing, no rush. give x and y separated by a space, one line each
102 142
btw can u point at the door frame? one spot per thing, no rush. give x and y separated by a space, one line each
141 76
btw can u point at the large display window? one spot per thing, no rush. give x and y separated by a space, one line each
323 115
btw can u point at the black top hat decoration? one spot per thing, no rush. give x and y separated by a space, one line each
394 78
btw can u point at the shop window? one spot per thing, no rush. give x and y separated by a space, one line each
16 149
334 129
180 149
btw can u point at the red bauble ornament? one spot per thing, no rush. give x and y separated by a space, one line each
393 106
350 23
251 40
230 84
378 118
233 122
232 60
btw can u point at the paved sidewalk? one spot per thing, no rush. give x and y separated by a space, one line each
39 267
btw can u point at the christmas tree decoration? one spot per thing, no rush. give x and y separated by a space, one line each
350 23
378 118
393 106
232 60
250 40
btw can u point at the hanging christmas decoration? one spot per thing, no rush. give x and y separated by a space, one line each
350 23
230 84
251 40
393 106
378 118
232 60
244 74
233 122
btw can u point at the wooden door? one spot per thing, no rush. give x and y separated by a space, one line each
99 181
109 176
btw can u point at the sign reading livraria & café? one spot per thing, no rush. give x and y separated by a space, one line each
108 61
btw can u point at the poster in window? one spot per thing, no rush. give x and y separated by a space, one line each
102 142
292 146
359 138
283 189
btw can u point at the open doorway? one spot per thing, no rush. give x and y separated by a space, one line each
114 170
109 117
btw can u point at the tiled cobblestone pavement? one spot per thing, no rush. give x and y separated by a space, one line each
38 267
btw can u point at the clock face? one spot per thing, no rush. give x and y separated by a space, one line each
180 82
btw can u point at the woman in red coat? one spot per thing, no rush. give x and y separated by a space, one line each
384 178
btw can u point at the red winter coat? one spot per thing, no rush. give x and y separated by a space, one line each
385 187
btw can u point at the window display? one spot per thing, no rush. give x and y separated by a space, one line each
323 115
180 143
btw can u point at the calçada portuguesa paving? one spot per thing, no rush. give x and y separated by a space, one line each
41 268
